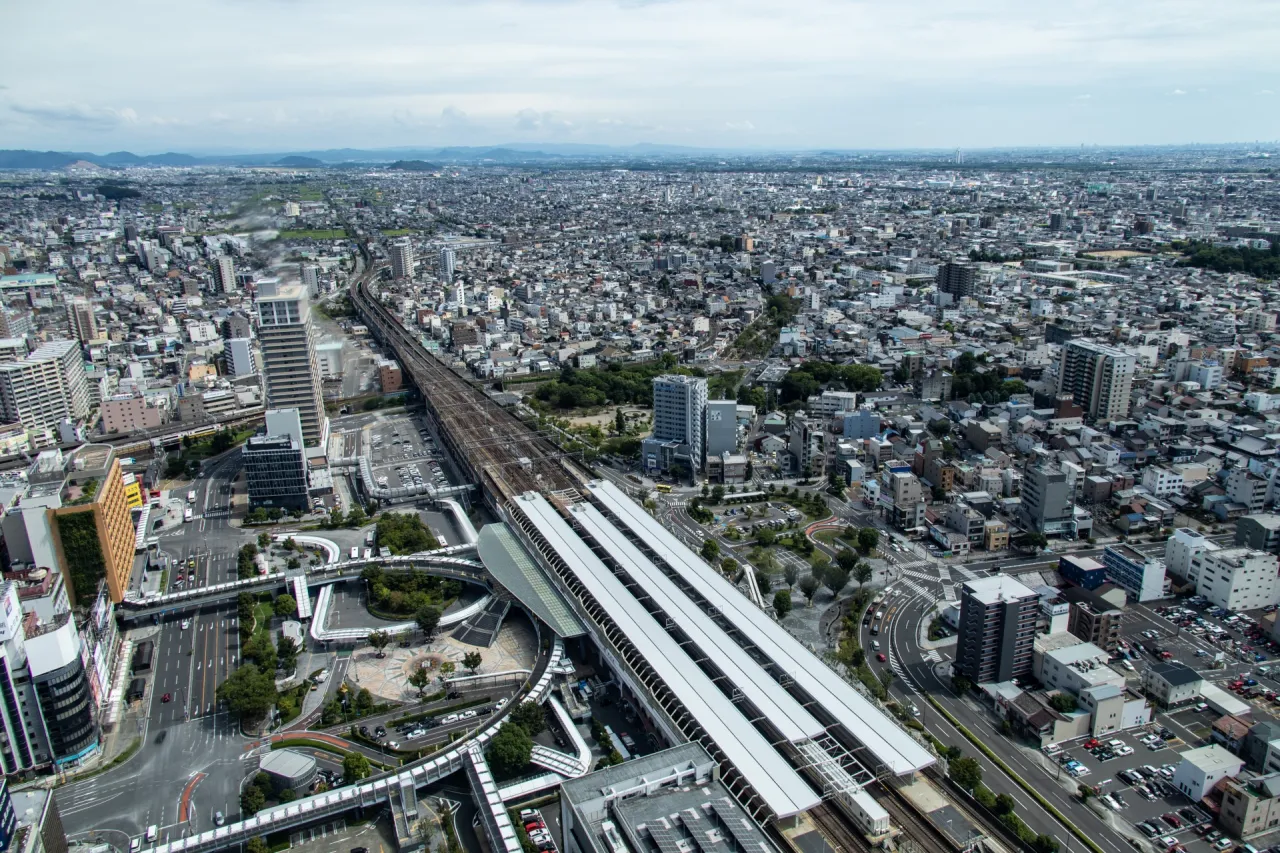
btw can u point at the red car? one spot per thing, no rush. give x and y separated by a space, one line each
1091 743
166 697
880 657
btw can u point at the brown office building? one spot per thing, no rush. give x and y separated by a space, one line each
93 529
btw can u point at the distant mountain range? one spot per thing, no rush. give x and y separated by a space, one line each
408 159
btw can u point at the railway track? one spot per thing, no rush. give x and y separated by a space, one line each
502 453
918 828
835 828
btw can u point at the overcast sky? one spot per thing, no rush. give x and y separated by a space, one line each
274 75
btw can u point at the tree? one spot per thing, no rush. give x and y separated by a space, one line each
1063 703
809 586
354 768
717 495
863 573
782 602
404 533
791 574
619 422
420 678
428 618
729 566
379 640
446 669
287 651
530 717
763 582
940 427
765 537
847 560
285 605
509 750
249 693
886 679
835 579
472 661
960 684
710 550
1005 803
264 540
244 608
257 844
965 772
1034 541
252 800
356 517
868 539
364 701
331 712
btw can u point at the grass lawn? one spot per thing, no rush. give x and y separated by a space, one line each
398 232
834 538
315 234
262 613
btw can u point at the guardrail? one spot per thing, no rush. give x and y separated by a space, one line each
424 772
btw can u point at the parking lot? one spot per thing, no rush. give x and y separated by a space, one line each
404 454
1132 774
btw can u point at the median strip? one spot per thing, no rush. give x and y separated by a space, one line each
1022 783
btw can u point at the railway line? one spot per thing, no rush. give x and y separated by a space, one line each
498 449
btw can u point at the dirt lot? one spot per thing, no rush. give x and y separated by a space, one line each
606 416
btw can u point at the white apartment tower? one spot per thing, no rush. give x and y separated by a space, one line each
311 279
679 422
240 359
84 326
402 259
225 273
448 262
289 357
1098 378
45 388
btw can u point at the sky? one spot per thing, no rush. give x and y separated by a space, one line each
213 76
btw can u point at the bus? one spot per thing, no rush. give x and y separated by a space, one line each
664 488
187 516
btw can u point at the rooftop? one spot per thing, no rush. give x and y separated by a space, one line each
997 588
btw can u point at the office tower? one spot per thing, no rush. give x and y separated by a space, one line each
225 273
289 357
311 279
84 327
1057 221
236 326
1047 505
448 261
92 531
1098 378
46 705
276 470
679 412
997 629
402 259
722 427
45 388
959 280
240 360
1140 575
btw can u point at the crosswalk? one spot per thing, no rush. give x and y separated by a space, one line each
932 656
913 586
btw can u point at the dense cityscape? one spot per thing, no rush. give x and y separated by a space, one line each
639 501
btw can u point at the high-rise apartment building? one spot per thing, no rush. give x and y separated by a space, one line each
1047 505
402 264
240 359
311 279
84 326
722 427
289 358
1098 378
224 273
959 280
448 263
45 388
997 629
679 416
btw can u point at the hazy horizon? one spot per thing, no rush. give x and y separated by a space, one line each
230 76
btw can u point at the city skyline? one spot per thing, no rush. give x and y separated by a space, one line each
828 74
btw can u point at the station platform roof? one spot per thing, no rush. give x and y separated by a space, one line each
509 563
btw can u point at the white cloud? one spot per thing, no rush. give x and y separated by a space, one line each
441 72
1178 92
